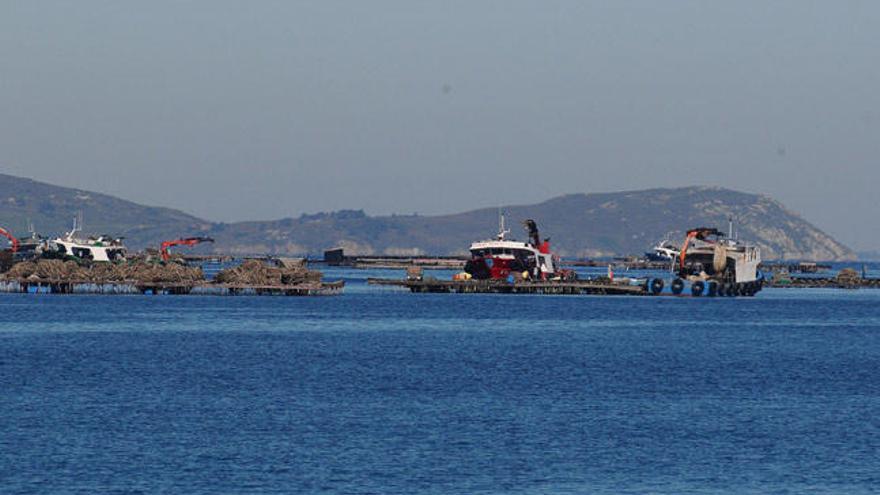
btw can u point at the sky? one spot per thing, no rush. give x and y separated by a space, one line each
235 110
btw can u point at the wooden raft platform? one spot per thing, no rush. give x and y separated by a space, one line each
824 283
207 289
502 287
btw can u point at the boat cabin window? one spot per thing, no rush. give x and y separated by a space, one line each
501 251
84 253
115 254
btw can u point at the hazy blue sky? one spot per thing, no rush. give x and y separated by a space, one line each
258 110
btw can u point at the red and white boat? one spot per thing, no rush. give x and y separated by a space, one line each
502 258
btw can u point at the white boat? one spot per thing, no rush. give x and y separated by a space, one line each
665 250
101 248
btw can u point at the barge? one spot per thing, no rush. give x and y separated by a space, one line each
574 287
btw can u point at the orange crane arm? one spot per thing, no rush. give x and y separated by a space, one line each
700 233
189 241
11 238
684 247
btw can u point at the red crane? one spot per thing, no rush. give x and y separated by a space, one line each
189 241
11 238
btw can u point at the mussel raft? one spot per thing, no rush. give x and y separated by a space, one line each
253 277
647 287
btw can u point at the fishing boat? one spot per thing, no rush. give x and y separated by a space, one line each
502 258
25 248
100 248
712 263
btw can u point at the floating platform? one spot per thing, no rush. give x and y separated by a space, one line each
207 289
602 287
824 283
521 287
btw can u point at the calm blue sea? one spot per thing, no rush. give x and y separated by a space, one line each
382 391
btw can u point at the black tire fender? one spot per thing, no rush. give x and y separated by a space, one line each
697 288
657 286
677 286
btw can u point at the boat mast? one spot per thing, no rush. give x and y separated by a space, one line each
501 230
77 226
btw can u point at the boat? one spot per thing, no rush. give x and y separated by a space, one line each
713 263
31 247
28 248
507 259
101 248
665 250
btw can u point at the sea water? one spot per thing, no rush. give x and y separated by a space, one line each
383 391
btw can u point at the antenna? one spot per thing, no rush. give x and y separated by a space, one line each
501 230
730 227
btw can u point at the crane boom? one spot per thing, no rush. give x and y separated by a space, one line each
11 238
189 241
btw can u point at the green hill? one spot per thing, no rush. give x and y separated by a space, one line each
51 209
579 225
